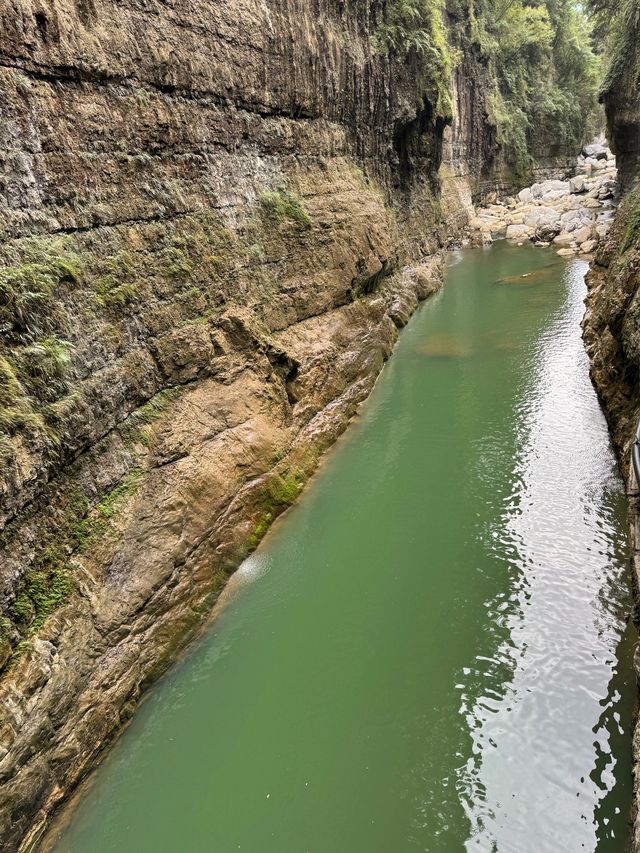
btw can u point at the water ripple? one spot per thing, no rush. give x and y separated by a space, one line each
527 707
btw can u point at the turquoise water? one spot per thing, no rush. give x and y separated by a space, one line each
430 652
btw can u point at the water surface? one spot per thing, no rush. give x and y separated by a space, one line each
430 652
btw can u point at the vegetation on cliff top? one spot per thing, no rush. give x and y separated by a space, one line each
544 71
542 68
619 24
417 27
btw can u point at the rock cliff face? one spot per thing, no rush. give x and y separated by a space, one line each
215 218
612 337
612 320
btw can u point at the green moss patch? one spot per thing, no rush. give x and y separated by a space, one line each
133 430
281 206
632 231
49 581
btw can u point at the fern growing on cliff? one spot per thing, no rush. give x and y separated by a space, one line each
416 27
406 28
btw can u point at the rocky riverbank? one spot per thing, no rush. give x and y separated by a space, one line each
571 215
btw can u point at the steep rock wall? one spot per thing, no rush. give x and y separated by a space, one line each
207 216
612 320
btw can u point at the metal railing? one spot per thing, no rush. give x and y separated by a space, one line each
635 456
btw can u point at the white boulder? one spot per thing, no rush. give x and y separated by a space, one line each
518 232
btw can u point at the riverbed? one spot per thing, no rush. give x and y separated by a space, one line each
432 650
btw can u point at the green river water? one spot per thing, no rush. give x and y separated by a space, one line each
431 651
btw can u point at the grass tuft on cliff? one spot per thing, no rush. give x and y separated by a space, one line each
282 205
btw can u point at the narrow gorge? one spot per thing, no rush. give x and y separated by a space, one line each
216 219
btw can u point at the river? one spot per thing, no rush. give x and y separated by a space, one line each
431 651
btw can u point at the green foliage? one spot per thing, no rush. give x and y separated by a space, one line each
174 263
47 358
34 270
45 586
33 358
284 488
280 491
406 28
618 22
43 591
49 581
545 72
281 205
133 429
84 532
21 649
260 529
631 210
113 280
415 28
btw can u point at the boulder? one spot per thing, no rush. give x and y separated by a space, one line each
549 186
546 231
571 220
518 232
566 253
563 240
583 234
525 196
597 150
553 195
588 247
577 184
481 223
540 214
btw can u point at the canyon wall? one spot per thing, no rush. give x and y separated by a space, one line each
214 218
612 320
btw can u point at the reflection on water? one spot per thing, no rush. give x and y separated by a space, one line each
564 615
